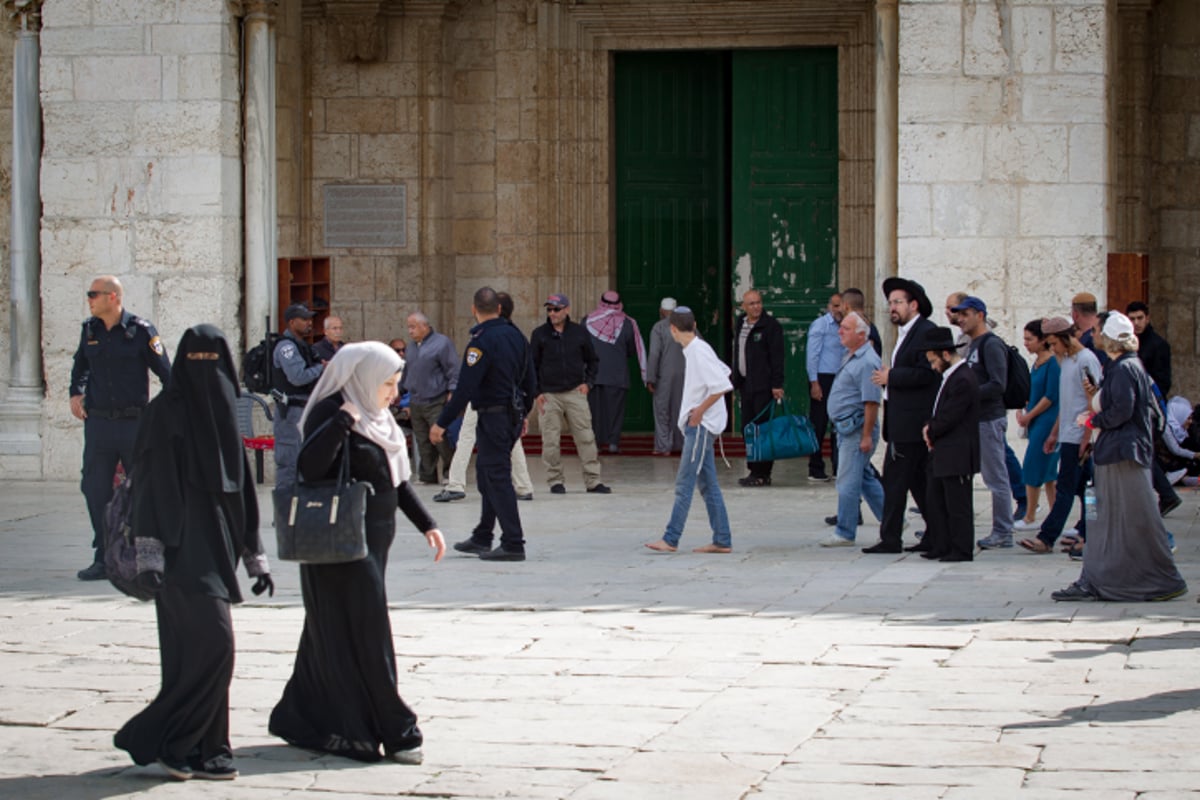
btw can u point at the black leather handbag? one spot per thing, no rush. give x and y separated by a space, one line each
324 522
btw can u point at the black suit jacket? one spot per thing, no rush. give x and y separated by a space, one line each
1155 354
954 429
912 386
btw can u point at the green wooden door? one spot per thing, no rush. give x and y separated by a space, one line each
672 224
784 190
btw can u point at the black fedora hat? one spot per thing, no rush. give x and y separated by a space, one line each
915 290
940 338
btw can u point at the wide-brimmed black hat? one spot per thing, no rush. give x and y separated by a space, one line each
939 339
915 290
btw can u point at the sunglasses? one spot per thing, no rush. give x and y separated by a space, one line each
93 294
399 350
555 308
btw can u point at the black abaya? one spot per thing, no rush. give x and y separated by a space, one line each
342 695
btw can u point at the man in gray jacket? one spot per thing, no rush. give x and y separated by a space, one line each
987 356
430 376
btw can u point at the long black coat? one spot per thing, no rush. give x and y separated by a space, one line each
764 355
912 386
954 428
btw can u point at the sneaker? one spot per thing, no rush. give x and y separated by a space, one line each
837 541
558 488
411 756
599 488
1022 525
449 496
219 768
1171 542
1169 595
96 572
1075 593
525 496
818 477
994 542
177 772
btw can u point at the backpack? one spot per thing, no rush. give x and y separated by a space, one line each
120 551
257 364
1016 391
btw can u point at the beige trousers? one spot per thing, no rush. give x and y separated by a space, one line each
462 456
573 408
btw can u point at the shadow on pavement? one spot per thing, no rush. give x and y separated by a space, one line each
1152 706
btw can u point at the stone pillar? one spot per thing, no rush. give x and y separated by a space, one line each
20 415
887 68
258 120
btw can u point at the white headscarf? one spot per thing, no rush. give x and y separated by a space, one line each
357 371
1178 410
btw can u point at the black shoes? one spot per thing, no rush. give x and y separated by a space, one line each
177 772
96 572
525 496
818 477
1075 593
472 547
833 520
500 554
599 488
448 496
558 488
219 768
1168 506
882 548
918 548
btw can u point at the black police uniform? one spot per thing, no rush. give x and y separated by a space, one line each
110 372
497 379
295 374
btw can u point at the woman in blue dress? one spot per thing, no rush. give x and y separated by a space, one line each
1039 415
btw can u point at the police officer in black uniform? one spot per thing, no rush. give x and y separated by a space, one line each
109 389
497 379
296 370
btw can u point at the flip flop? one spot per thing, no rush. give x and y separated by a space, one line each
1036 546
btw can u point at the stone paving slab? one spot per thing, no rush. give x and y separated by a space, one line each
598 670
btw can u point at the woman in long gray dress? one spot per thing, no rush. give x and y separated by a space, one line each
1127 557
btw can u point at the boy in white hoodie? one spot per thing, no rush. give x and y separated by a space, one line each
702 418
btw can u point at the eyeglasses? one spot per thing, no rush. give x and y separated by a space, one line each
399 350
555 309
93 294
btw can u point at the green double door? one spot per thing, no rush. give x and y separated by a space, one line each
726 180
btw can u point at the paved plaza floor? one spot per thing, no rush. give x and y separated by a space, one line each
599 670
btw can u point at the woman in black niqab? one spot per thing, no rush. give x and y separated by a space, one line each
191 493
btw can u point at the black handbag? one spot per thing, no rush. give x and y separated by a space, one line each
324 522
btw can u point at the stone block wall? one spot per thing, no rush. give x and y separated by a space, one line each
6 152
1174 188
1004 162
141 177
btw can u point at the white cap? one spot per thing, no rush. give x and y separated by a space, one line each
1117 326
668 304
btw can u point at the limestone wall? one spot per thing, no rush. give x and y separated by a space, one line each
1004 164
6 151
141 177
1174 188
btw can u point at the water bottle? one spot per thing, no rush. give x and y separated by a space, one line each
1089 503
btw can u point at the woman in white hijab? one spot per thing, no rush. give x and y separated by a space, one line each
342 695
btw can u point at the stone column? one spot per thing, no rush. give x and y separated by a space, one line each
20 415
258 154
887 148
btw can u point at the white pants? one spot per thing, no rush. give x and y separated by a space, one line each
462 456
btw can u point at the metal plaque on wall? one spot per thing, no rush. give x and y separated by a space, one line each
365 215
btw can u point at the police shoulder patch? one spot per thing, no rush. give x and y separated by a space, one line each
474 354
157 346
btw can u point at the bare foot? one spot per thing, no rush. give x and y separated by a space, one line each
713 548
661 547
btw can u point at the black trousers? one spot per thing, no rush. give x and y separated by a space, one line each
752 405
819 414
105 443
904 471
950 516
495 435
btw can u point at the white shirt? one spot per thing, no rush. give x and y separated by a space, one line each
703 376
900 336
946 375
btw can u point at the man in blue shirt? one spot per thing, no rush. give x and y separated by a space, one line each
854 410
430 377
823 355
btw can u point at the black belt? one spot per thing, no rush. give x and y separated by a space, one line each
115 413
492 410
